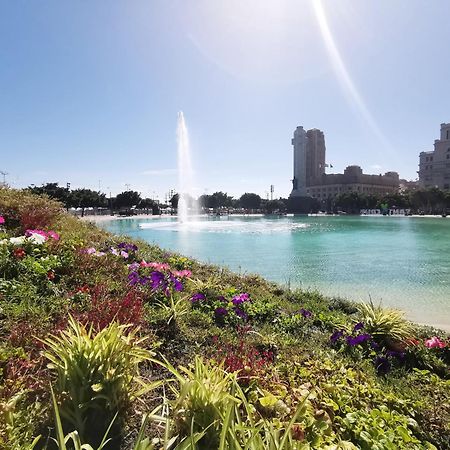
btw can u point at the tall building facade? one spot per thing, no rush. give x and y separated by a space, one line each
309 159
434 166
310 179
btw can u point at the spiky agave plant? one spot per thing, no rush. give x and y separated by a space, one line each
97 375
385 324
203 394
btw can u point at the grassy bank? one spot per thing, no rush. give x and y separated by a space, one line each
102 336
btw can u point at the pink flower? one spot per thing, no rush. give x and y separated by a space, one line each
30 233
123 254
53 235
90 250
435 342
182 273
155 265
2 220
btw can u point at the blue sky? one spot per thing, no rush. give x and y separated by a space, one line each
89 91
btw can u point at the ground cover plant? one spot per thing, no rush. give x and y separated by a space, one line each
116 344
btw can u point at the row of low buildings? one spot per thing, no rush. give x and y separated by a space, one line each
310 179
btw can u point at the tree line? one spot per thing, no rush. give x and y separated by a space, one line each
426 201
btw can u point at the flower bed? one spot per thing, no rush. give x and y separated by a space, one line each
244 360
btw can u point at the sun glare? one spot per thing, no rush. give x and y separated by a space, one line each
343 74
259 40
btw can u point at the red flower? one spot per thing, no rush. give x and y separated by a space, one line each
83 289
19 253
51 275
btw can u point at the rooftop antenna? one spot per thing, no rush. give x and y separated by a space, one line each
4 175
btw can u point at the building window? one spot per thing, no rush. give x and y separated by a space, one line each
446 186
427 159
431 158
448 156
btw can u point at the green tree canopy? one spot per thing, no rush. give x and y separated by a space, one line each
86 198
250 201
127 199
53 190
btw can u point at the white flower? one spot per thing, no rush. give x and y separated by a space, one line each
15 240
37 238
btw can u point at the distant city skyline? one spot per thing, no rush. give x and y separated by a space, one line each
90 94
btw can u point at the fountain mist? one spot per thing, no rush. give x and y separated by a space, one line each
186 203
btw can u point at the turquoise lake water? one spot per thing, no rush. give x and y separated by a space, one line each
402 261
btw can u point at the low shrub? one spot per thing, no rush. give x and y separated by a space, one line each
96 375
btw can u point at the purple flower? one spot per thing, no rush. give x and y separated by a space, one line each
114 251
382 365
336 336
357 340
133 278
241 314
123 254
220 312
240 298
127 247
134 266
222 299
394 354
358 326
305 313
177 285
198 297
157 280
374 345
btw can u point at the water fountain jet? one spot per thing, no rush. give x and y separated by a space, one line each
187 206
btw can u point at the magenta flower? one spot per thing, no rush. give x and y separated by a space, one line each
2 220
53 235
435 342
241 298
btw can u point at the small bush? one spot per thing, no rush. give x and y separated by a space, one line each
96 374
384 324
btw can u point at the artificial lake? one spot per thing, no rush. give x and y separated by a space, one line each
403 262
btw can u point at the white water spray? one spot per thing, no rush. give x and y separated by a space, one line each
186 204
